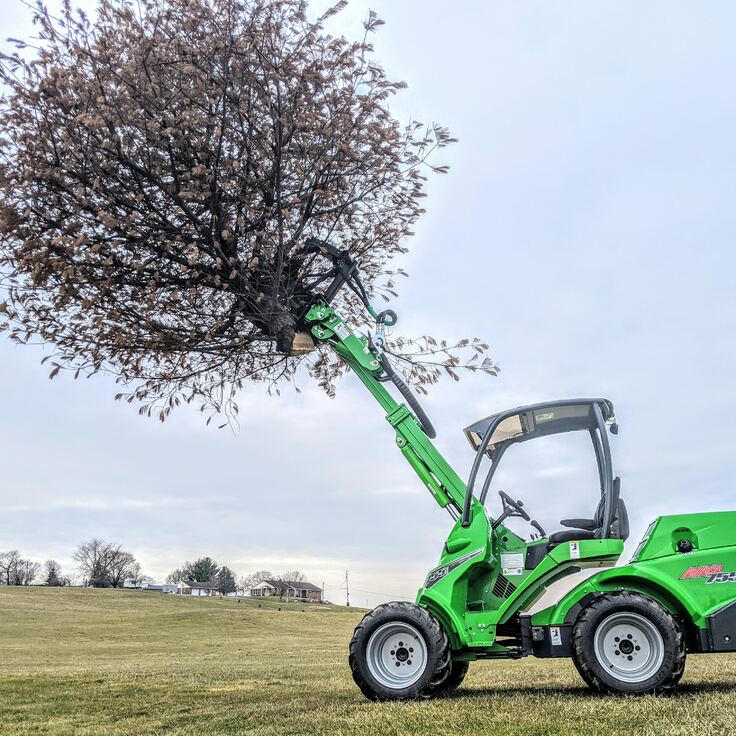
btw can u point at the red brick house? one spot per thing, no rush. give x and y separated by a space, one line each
287 589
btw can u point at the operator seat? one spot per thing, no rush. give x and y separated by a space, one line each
592 528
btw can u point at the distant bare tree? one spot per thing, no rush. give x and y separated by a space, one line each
27 572
103 564
136 578
9 567
121 565
91 558
15 570
73 579
246 582
293 576
161 167
176 576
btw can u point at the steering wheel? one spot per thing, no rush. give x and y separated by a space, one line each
510 508
515 505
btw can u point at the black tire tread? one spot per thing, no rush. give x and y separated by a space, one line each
453 679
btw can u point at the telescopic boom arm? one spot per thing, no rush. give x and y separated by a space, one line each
441 480
367 359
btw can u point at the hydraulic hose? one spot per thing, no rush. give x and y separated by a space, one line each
412 400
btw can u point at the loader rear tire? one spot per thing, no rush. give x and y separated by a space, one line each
399 651
628 644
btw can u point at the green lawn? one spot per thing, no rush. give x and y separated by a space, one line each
90 662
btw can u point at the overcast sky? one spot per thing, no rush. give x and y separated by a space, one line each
586 231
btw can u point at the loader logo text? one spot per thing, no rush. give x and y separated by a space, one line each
701 571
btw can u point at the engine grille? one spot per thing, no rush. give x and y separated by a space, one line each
503 587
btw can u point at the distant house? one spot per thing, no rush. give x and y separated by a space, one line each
186 587
152 587
162 588
287 589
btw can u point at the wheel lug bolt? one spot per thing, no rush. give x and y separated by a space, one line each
411 649
398 664
637 648
401 643
408 661
617 653
629 658
617 639
393 651
628 636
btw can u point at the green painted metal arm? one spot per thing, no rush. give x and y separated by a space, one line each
446 487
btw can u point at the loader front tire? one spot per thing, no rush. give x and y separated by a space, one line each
455 677
399 651
628 644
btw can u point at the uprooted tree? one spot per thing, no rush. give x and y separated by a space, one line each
161 167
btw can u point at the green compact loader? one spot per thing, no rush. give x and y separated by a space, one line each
627 629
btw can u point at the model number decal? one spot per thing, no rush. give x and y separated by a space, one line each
722 577
440 572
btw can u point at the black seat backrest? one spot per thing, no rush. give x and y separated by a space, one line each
598 516
620 524
620 516
615 496
620 519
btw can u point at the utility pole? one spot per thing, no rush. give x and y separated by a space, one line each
347 589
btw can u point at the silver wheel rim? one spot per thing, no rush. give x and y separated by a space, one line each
629 647
396 655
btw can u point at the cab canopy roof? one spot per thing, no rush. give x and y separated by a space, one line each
539 420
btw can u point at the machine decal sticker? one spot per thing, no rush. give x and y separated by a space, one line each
341 331
440 572
555 636
512 563
701 571
574 551
722 577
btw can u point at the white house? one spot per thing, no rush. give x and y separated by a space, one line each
161 588
152 587
186 587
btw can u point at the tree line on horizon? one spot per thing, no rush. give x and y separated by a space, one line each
17 570
103 564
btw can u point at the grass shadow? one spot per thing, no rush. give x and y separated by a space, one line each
684 690
506 691
705 688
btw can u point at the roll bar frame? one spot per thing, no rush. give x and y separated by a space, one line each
598 434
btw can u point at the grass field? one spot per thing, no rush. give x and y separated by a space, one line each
89 662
